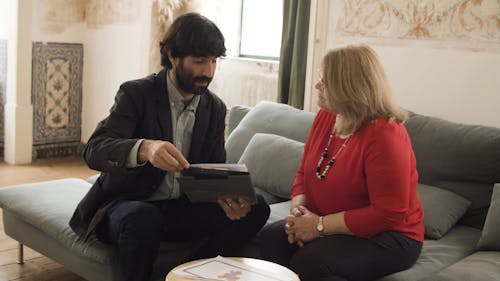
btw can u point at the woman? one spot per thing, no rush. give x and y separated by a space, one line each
355 212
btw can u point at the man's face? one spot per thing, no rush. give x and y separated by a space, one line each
194 74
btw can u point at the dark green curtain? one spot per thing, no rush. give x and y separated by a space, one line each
293 56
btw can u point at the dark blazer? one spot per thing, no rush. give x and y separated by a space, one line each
141 110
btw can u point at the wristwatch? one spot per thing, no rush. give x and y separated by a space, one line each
320 227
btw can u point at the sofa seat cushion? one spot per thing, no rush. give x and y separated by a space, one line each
48 206
279 211
480 266
270 118
436 255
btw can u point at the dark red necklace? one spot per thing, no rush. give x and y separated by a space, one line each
324 155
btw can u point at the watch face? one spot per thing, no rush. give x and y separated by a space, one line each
320 226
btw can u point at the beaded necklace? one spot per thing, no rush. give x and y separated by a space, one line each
324 155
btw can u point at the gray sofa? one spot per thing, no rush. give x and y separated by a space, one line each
458 167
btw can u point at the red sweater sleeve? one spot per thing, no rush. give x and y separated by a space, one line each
389 166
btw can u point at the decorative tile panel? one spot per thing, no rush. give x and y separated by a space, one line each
57 95
3 84
464 24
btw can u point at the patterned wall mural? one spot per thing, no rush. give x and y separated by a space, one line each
3 84
57 99
58 15
163 13
469 24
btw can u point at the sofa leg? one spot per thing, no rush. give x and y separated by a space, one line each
20 253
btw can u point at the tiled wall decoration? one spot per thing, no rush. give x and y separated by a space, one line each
462 24
3 84
57 99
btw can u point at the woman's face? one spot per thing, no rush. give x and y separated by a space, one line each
323 99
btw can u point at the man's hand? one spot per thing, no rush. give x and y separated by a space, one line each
235 210
163 155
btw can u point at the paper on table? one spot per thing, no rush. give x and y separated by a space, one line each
220 268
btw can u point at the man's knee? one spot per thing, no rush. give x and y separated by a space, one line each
141 218
260 210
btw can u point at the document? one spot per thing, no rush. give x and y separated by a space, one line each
223 269
209 182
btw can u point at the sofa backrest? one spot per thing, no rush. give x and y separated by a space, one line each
464 159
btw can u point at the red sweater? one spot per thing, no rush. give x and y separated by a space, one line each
374 179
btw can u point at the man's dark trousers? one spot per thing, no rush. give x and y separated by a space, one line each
138 227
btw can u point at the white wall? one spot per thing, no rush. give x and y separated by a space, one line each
4 18
72 33
112 55
461 85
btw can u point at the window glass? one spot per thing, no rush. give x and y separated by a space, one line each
261 25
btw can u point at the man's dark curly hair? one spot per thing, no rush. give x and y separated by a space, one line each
192 35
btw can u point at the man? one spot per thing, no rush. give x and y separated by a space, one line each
157 126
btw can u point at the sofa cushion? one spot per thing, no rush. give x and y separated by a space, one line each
442 209
490 238
271 118
236 113
436 255
454 152
478 193
270 198
483 266
48 206
92 179
272 161
279 211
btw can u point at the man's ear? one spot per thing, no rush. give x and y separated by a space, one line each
173 60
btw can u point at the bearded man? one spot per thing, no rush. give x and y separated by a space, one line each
157 126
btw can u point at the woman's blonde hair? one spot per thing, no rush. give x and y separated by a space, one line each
357 88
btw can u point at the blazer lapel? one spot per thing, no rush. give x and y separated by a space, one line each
163 106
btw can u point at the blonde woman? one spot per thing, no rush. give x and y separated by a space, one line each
355 212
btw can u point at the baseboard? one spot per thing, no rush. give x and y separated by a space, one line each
58 150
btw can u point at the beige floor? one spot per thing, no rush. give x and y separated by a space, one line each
36 267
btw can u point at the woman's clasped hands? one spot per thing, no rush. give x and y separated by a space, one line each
300 226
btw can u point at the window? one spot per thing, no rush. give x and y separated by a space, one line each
261 24
252 28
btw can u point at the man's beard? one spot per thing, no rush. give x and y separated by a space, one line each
187 82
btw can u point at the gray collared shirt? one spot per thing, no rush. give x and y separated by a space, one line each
183 118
